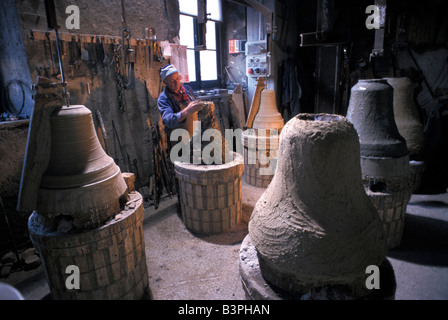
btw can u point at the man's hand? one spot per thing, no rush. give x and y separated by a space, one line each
192 107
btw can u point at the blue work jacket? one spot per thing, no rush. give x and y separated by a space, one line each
170 109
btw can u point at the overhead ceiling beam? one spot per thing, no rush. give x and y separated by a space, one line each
258 6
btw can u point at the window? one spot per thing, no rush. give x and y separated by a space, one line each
203 65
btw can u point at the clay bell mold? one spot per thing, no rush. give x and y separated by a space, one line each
81 180
211 195
406 114
384 159
409 125
260 156
261 142
268 116
371 103
314 225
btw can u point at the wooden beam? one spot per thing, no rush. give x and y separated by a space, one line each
255 106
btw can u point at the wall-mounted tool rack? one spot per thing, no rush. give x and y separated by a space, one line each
87 38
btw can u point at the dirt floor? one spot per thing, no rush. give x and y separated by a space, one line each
184 266
188 267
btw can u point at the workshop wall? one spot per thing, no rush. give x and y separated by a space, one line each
90 56
234 63
15 80
91 71
104 17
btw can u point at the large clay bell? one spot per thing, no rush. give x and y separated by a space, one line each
371 112
268 117
384 155
406 114
81 183
409 125
314 225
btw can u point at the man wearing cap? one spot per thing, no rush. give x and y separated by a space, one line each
177 105
177 102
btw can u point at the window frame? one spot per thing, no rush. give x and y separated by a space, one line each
200 84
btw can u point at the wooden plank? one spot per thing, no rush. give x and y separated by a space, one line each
37 155
237 110
255 102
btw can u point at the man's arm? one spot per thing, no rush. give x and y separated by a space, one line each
171 118
192 107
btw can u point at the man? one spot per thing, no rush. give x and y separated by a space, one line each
177 103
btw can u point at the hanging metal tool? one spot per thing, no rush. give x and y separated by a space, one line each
131 77
52 24
117 70
106 60
127 52
54 73
148 53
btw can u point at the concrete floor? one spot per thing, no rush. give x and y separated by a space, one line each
183 266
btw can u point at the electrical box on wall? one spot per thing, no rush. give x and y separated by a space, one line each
258 59
236 46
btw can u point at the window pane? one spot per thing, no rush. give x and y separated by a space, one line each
210 37
188 7
191 65
186 32
208 65
214 8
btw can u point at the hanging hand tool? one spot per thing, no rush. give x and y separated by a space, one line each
78 52
131 77
106 60
149 42
74 56
52 24
91 49
126 52
62 47
147 50
99 52
47 34
71 59
117 70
